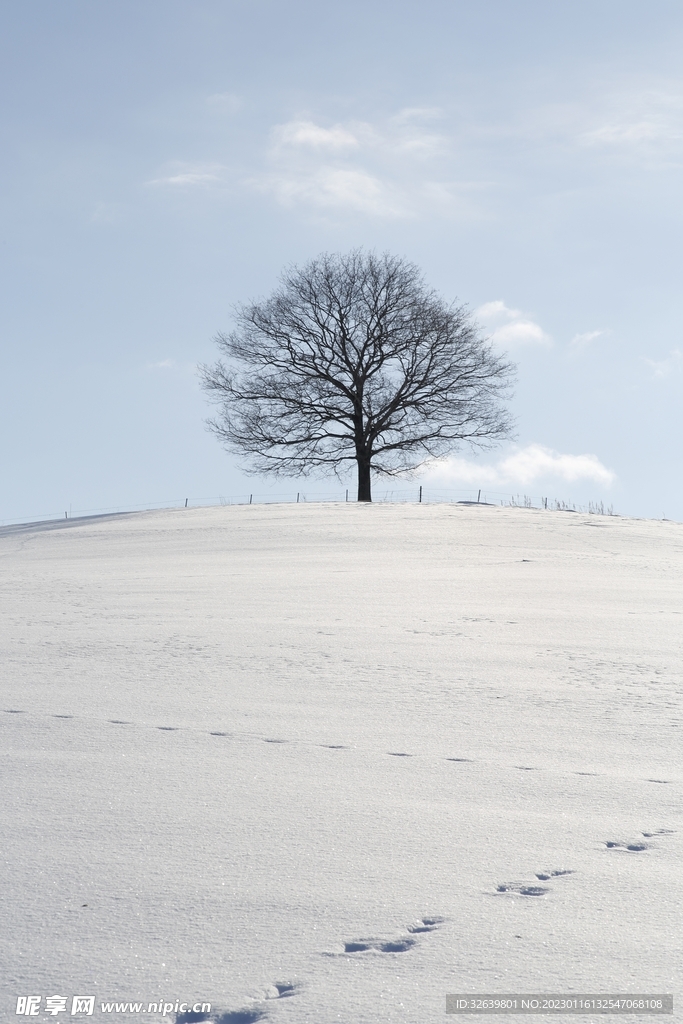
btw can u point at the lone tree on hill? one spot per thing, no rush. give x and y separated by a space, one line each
354 359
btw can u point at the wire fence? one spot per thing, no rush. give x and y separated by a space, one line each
420 494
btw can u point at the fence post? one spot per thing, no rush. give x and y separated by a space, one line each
186 501
297 497
420 498
347 494
479 496
250 497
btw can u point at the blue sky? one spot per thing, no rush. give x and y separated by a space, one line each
165 160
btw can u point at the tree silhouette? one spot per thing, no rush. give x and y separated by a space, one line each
354 359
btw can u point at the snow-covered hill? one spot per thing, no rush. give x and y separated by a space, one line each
316 764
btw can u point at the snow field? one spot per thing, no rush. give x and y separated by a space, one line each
328 763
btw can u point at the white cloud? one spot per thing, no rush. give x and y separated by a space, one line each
192 175
409 114
397 168
309 134
384 170
647 119
581 340
663 367
335 187
510 327
522 468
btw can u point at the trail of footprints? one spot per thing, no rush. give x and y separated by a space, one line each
618 845
284 989
403 943
279 740
637 845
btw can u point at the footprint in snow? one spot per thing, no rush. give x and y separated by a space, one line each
543 876
527 889
285 989
247 1015
521 889
400 945
637 845
395 946
425 924
616 844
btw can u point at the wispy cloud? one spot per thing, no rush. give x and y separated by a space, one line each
523 467
388 170
664 367
331 187
587 338
510 328
191 175
310 135
641 121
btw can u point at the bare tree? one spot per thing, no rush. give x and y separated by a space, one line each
354 359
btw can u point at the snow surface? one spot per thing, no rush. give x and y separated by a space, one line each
238 739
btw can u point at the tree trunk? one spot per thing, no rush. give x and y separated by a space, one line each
364 493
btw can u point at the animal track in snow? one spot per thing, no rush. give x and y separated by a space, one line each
400 945
637 845
614 844
526 889
247 1015
425 924
285 989
395 946
190 1017
521 889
